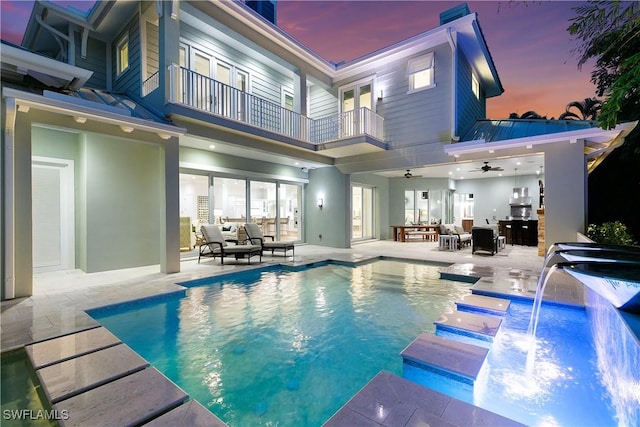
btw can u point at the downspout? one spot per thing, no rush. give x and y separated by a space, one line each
9 279
454 91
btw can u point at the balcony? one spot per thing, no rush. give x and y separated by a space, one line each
331 134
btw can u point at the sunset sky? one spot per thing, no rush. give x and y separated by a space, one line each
528 41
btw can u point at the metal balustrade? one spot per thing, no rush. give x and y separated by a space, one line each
202 92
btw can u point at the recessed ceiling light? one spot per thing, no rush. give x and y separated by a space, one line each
297 163
457 169
450 173
518 163
212 146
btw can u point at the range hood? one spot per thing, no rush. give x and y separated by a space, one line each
520 203
520 197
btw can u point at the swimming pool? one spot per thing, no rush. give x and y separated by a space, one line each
286 347
291 347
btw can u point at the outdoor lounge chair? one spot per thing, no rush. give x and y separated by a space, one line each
483 239
256 237
215 245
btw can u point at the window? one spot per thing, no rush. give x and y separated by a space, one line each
475 86
420 71
122 50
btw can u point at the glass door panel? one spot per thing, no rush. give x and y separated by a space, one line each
290 211
229 200
356 217
409 207
263 206
242 84
367 213
364 101
194 207
422 202
202 83
348 107
223 90
362 217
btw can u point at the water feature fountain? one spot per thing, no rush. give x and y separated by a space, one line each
612 271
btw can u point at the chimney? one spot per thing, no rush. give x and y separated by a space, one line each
265 8
454 13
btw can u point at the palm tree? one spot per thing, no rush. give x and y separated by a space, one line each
531 115
587 109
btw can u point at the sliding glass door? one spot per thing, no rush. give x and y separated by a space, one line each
275 206
362 217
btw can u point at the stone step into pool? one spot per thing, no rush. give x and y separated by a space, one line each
92 378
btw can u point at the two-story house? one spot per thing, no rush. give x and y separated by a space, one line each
124 124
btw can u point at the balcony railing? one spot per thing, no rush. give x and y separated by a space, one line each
150 84
202 92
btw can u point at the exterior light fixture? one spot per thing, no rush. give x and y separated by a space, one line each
164 136
320 202
380 95
79 119
126 129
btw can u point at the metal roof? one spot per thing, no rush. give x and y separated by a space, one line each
507 129
118 102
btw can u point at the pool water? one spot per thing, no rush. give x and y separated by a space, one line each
22 401
286 348
562 388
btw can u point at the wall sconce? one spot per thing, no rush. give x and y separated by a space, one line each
320 202
380 95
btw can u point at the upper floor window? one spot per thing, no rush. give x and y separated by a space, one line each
420 71
475 86
122 52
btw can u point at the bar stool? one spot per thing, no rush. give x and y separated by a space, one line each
516 232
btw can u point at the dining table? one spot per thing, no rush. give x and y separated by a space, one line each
400 231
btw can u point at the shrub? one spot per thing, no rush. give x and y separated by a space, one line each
611 233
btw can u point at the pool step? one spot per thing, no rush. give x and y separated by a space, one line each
45 353
388 400
92 378
74 376
448 357
477 326
484 305
130 400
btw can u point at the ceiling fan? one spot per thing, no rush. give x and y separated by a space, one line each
487 168
408 175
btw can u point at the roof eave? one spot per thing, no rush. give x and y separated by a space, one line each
29 61
594 134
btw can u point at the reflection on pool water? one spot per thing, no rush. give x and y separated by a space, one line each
291 347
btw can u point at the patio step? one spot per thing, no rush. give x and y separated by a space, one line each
447 357
74 376
92 378
67 347
484 305
477 326
127 401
